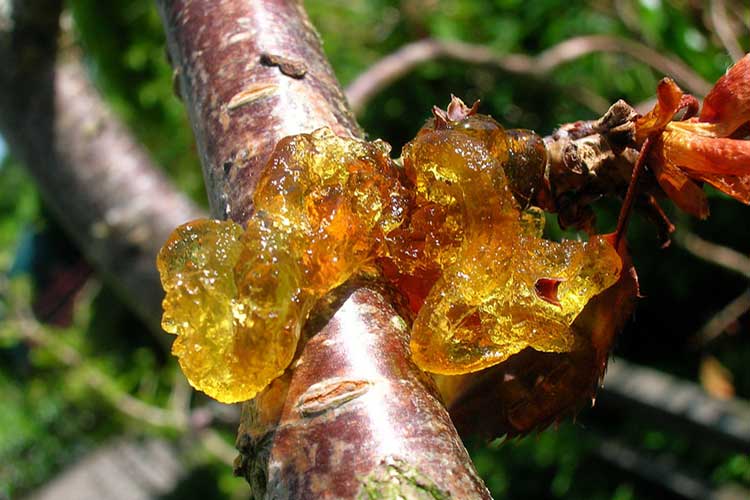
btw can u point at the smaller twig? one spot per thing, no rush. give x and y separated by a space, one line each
179 398
723 28
627 14
729 259
661 470
722 320
397 64
714 253
627 204
577 47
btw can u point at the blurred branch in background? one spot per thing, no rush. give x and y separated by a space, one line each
716 254
99 181
394 66
677 403
725 29
729 259
664 471
124 468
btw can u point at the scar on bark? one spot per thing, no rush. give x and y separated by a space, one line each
290 67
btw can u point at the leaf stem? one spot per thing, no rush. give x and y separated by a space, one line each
627 204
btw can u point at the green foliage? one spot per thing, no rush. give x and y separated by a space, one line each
41 430
19 205
44 424
554 464
508 27
50 417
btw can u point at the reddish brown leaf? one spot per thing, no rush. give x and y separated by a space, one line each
701 154
685 193
728 103
668 100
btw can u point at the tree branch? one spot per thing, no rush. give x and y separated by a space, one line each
714 253
357 407
405 59
656 396
251 73
723 28
99 182
722 320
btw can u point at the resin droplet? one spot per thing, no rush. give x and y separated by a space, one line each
482 255
196 266
238 299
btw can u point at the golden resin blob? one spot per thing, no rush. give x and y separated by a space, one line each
499 287
237 299
448 232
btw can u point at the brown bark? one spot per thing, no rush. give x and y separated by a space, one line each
359 417
251 72
359 411
96 178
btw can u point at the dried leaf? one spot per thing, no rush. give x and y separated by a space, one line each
703 148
